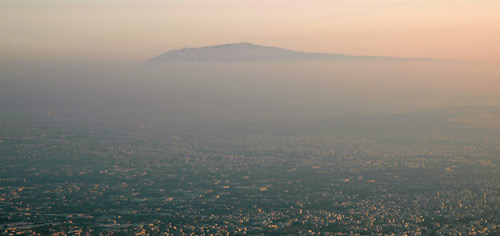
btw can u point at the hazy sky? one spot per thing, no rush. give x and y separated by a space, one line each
131 30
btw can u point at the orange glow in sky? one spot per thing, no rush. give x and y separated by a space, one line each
133 30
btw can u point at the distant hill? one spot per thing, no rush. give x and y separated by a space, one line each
241 52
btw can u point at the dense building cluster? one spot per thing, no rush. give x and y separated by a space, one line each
64 179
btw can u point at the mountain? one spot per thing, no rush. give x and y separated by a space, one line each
241 52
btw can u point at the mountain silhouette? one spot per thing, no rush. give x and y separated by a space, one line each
242 52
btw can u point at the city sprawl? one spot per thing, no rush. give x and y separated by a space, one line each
60 179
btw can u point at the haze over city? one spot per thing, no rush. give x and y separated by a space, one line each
343 117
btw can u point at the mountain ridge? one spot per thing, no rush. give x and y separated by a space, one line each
247 52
